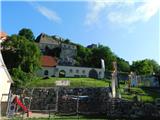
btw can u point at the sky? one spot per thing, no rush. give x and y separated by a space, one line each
129 27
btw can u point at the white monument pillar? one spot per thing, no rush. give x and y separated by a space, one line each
114 80
102 64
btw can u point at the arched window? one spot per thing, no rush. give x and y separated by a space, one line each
62 73
77 71
70 70
93 73
46 72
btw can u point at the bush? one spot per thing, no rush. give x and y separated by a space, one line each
21 78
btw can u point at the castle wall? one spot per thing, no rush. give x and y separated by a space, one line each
70 71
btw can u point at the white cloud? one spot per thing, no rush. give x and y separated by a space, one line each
49 14
123 11
94 9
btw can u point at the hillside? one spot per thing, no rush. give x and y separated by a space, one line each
74 82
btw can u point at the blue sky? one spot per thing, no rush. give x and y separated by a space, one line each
129 28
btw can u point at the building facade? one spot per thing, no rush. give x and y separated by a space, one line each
5 79
64 65
70 71
67 51
67 55
54 70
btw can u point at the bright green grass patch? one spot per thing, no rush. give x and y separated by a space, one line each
74 82
143 94
127 97
147 98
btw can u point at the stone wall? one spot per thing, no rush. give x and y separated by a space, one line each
92 101
64 100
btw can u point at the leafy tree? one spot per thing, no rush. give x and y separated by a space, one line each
145 67
21 53
82 56
91 57
123 65
20 78
27 33
103 52
67 41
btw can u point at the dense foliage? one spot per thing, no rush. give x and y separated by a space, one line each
145 67
27 33
20 52
22 58
92 57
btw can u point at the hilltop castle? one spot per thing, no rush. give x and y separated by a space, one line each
58 59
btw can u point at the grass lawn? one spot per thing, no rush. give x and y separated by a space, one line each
74 82
144 94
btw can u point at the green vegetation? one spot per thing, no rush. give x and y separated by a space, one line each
141 93
74 82
145 67
91 57
27 33
21 56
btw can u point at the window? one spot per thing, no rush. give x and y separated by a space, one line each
77 71
46 72
83 71
99 73
70 70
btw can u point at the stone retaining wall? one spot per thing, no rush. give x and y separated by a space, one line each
92 101
65 100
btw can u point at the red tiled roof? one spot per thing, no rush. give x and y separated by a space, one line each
48 61
3 35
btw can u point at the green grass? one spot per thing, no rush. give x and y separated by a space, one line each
74 82
144 94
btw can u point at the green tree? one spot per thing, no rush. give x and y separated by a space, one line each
122 65
91 57
83 56
21 53
145 67
67 41
27 33
102 52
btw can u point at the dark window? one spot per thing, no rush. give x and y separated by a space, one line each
77 71
46 72
71 70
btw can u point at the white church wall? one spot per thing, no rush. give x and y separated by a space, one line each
70 71
49 70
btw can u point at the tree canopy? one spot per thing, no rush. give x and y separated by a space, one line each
20 52
27 33
22 58
145 67
122 65
91 57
